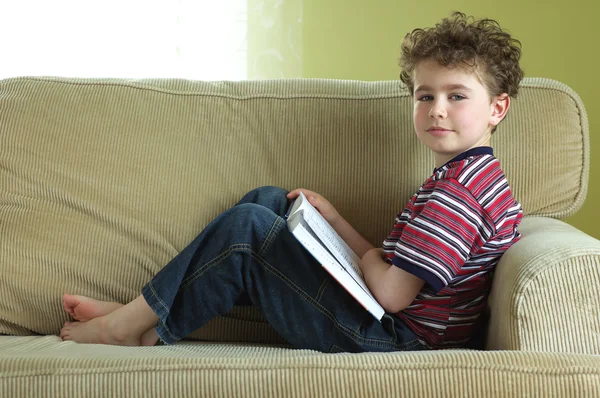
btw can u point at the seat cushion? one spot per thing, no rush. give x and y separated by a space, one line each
46 366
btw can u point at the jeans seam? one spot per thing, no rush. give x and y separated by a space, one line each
192 278
322 288
161 303
275 227
268 239
163 326
223 255
155 295
411 344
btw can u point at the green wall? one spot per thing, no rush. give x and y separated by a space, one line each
358 39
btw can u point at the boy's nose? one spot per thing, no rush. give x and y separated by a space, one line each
437 111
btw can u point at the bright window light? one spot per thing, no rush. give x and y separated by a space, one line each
192 39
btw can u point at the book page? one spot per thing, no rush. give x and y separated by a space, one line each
334 243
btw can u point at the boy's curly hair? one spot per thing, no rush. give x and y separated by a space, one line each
460 41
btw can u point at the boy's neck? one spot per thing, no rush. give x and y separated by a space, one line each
442 159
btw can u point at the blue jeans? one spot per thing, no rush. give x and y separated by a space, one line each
248 252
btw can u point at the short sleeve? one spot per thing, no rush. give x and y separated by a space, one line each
448 226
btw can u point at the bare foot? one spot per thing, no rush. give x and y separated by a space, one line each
129 325
96 331
150 338
83 308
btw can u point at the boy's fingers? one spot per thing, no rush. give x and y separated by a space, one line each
312 197
293 192
296 192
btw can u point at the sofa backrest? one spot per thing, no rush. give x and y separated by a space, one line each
103 181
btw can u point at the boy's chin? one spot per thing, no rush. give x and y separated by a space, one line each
441 147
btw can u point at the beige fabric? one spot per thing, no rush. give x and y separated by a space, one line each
46 367
103 181
543 145
546 291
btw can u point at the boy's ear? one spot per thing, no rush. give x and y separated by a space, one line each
499 108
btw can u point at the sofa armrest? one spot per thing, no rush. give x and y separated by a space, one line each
546 291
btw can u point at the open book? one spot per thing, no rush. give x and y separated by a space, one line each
328 248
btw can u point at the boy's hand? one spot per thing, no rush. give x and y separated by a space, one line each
319 202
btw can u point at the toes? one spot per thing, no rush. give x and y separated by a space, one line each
65 332
71 312
69 304
69 300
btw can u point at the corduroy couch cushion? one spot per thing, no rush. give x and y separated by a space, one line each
47 367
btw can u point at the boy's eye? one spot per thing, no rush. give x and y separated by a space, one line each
457 97
425 98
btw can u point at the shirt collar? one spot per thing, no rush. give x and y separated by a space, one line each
477 151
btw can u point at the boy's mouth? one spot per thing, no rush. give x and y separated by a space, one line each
438 131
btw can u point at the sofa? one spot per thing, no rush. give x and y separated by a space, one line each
103 181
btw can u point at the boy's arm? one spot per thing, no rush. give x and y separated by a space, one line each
394 288
357 243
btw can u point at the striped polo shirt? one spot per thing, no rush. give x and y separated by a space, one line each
451 234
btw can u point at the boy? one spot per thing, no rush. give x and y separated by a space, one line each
432 275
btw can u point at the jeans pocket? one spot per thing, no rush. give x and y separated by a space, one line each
336 349
387 321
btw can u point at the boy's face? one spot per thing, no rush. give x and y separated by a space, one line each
452 110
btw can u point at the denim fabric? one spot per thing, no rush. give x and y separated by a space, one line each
248 252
